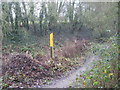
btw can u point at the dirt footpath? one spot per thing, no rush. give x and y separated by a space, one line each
67 81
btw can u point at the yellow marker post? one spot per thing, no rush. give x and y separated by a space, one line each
51 45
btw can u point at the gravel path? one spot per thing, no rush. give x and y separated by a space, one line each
67 81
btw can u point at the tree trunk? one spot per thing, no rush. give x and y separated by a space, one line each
11 16
26 21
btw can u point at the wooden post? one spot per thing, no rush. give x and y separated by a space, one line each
52 52
51 46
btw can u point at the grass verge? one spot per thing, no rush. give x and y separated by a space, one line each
104 74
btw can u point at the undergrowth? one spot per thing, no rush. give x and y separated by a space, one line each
104 74
24 66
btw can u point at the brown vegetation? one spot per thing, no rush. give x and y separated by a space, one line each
18 67
73 48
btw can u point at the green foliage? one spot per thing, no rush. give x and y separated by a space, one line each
24 49
16 37
2 84
104 73
101 19
22 28
57 17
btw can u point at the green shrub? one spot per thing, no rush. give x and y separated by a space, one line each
104 74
